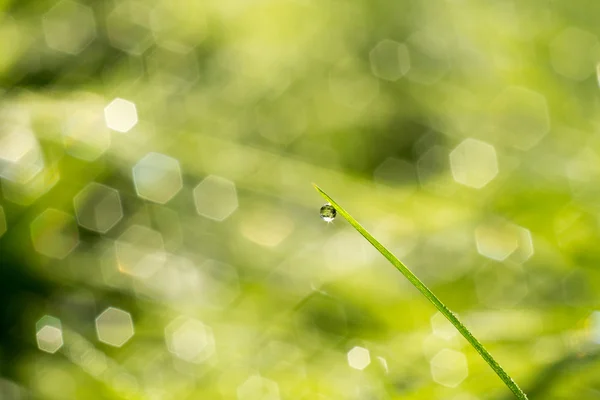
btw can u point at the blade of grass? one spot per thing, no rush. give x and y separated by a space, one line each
430 296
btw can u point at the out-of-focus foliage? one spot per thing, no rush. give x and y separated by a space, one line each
161 239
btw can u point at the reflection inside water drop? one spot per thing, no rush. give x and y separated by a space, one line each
328 212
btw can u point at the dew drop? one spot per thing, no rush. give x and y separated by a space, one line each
328 212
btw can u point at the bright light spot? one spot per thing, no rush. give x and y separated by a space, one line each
449 368
114 327
574 53
215 198
121 115
49 334
69 27
98 207
474 163
54 234
157 178
258 388
389 60
359 358
190 340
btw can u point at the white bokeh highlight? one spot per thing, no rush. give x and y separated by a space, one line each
114 327
157 178
49 336
359 358
121 115
474 163
215 198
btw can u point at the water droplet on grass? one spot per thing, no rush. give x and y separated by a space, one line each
328 212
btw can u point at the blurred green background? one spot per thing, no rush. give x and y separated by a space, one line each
161 238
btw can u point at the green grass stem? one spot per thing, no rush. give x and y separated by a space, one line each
430 296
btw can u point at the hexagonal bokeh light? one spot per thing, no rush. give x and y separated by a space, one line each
390 60
54 233
190 340
474 163
157 178
215 198
359 358
499 239
114 327
496 241
2 222
69 26
449 368
121 115
98 207
140 251
48 335
258 388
